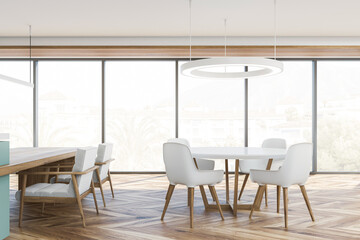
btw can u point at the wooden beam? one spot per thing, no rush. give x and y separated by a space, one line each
177 51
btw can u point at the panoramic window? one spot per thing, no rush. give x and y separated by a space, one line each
140 97
280 106
69 103
140 112
16 117
338 116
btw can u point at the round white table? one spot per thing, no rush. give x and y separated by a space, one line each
236 153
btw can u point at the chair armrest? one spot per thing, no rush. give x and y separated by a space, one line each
103 163
60 173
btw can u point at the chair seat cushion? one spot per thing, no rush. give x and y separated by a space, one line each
208 177
47 190
205 164
263 177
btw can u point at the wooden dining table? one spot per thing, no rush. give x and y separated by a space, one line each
236 154
16 160
29 158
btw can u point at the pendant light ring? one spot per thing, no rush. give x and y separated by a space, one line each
208 68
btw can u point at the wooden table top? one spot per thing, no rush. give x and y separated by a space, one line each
29 157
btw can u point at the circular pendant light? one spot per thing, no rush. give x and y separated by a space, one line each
214 67
218 67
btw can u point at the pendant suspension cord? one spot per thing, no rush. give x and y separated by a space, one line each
225 38
275 30
30 50
190 30
225 34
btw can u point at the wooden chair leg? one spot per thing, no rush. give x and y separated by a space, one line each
203 195
94 195
78 199
258 198
191 207
212 189
169 194
111 186
278 192
188 196
100 185
266 195
212 194
243 185
285 206
268 167
303 191
81 211
23 189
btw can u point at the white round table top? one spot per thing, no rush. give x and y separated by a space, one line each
238 153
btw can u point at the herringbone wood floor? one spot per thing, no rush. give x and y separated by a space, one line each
135 213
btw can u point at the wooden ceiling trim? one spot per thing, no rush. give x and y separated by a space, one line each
177 51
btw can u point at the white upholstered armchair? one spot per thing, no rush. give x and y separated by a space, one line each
201 164
181 169
294 171
103 159
261 164
80 185
102 175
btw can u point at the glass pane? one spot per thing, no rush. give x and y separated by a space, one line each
140 112
16 104
280 106
211 111
16 69
69 103
338 115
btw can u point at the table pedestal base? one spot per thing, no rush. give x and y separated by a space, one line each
230 206
233 206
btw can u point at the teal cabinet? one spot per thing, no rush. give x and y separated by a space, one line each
4 192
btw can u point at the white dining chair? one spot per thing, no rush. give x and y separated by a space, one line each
246 165
295 170
201 164
103 159
80 185
181 169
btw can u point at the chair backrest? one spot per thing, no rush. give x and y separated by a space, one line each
103 154
84 159
274 143
180 140
179 164
297 164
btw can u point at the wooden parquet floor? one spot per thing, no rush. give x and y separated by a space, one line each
135 213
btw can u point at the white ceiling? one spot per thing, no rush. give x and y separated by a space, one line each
160 18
